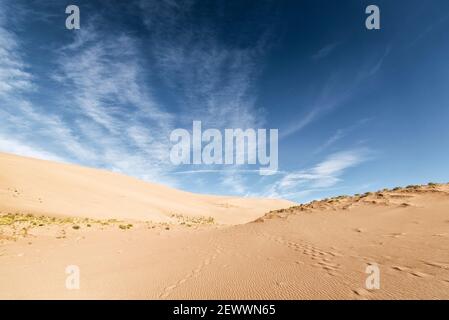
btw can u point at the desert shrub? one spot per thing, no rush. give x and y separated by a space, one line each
210 220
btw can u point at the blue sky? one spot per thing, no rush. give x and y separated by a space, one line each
357 110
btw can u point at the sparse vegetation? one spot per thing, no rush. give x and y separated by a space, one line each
343 202
125 226
14 225
189 221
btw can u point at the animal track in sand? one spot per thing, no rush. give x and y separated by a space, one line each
440 235
362 293
437 264
420 274
323 258
328 266
193 274
400 196
395 234
411 272
399 268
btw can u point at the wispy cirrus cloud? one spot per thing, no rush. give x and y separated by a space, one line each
14 75
323 175
213 79
339 135
115 110
18 115
325 51
338 89
104 113
21 148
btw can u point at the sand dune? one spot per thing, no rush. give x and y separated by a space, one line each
43 187
318 250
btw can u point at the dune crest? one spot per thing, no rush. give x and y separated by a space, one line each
43 187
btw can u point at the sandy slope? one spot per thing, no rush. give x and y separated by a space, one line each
43 187
319 250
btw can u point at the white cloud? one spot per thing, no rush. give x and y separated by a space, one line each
105 113
213 80
11 145
325 51
18 116
104 118
323 175
340 134
234 182
115 111
13 71
339 88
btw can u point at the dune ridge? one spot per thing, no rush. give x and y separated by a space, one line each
44 187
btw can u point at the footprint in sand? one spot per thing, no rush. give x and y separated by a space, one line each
193 274
335 254
395 235
420 274
411 272
328 266
399 268
361 293
437 265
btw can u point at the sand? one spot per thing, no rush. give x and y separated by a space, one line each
316 251
44 187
